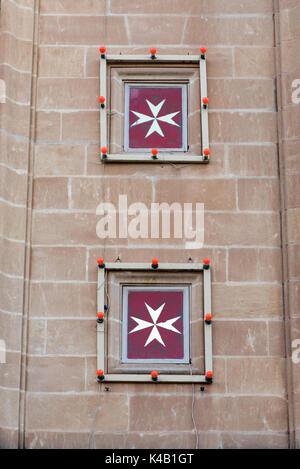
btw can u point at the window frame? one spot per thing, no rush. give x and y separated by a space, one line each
143 157
102 349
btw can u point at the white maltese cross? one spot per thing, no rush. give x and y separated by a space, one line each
155 127
154 334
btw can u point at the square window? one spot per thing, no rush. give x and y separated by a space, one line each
155 325
154 321
155 117
153 104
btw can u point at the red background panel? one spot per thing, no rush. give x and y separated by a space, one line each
137 102
174 342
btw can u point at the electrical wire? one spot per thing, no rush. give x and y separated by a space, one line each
92 431
176 166
107 296
193 404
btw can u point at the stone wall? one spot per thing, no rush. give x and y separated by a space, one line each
17 26
288 66
53 182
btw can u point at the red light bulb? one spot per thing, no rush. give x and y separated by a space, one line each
101 99
100 261
206 261
154 374
209 374
153 50
203 50
205 100
104 150
206 151
208 318
100 315
155 261
154 151
100 373
102 49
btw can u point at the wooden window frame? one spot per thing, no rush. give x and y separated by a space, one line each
102 351
142 157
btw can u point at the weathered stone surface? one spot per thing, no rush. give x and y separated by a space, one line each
50 134
63 299
61 412
58 263
61 62
57 160
247 301
256 376
254 265
55 374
